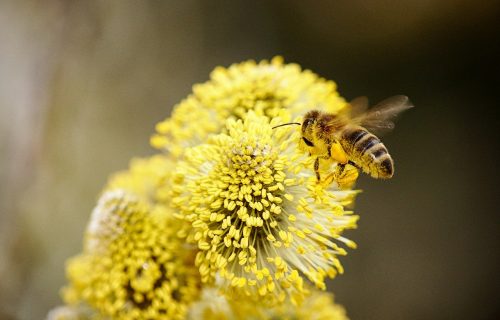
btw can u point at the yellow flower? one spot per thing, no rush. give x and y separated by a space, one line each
213 306
260 220
230 93
134 266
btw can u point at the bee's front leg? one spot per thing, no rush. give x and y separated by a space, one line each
316 169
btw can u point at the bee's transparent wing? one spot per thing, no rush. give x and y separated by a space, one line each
357 107
379 119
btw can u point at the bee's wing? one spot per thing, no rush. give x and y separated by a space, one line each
379 118
357 107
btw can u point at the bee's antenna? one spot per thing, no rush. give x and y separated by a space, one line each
286 124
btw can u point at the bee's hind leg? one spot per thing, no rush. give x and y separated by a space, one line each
345 174
352 164
342 166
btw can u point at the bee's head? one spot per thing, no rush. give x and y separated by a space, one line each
310 120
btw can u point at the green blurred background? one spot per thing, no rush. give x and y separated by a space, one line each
82 84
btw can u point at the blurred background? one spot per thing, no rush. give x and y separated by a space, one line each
82 84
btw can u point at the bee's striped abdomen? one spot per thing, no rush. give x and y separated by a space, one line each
367 152
350 137
382 161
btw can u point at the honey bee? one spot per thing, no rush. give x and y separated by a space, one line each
348 139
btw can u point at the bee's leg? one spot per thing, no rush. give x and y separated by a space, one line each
344 174
353 164
341 167
316 169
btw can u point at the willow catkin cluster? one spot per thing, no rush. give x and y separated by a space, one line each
228 221
133 265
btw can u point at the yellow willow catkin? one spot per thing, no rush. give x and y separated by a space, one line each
261 222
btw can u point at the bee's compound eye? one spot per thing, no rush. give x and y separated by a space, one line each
309 143
306 124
